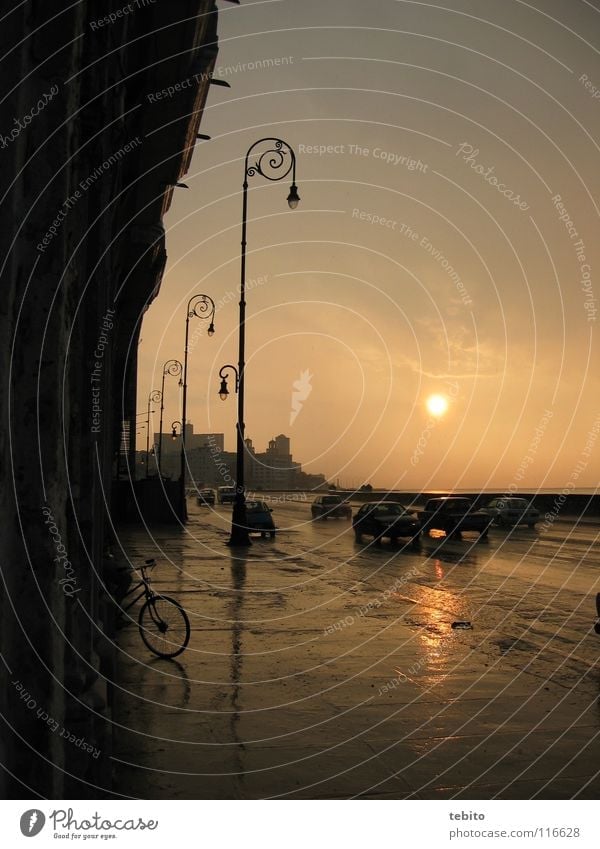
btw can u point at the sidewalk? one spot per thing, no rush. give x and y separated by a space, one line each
303 683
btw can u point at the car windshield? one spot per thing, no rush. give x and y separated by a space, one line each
450 504
390 510
256 506
332 499
516 502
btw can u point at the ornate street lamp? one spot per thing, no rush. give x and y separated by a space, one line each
203 307
173 368
153 398
272 159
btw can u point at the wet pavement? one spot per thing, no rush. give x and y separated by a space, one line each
321 668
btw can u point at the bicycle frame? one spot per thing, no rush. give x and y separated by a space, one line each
146 591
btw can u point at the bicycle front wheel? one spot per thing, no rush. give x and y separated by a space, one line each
164 626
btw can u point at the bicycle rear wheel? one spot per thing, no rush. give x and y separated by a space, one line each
164 626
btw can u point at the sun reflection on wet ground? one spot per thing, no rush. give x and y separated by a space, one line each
340 673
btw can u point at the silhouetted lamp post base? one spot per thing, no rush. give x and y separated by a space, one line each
240 538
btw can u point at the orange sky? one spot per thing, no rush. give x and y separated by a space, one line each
445 242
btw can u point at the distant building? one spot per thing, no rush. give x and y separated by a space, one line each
198 448
192 440
275 468
208 464
280 447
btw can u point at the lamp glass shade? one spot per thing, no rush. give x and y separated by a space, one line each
293 198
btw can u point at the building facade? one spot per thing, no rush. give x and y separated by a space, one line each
85 184
209 465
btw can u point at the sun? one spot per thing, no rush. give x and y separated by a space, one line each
437 405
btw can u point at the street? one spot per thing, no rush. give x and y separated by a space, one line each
321 668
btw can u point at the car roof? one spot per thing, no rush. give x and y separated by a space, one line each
451 498
384 504
509 499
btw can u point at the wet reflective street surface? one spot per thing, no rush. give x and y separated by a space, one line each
321 668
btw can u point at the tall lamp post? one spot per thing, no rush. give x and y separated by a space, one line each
138 429
272 159
174 368
199 306
153 398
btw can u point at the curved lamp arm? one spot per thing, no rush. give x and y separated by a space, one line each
202 306
273 160
224 391
172 368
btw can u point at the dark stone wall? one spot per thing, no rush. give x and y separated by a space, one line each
74 99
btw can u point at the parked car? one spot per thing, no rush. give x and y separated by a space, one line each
330 507
259 518
386 519
453 515
205 497
226 494
512 511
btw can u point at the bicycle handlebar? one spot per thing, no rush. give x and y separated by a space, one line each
146 566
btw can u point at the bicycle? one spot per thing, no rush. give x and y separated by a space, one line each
163 623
